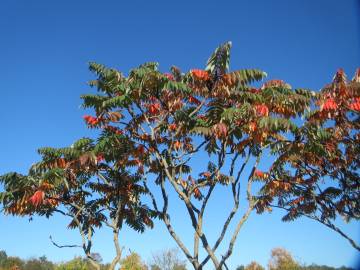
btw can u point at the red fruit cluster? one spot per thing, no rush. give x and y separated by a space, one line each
90 120
38 198
329 104
262 110
200 74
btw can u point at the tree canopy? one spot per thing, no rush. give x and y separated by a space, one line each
153 126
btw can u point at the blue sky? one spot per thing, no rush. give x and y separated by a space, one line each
44 50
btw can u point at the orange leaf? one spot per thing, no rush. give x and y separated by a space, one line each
38 198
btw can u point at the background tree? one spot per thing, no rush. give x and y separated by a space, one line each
254 266
132 262
324 267
40 263
3 257
168 259
281 259
10 262
77 263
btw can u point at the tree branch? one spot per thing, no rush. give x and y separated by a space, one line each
246 215
169 227
63 246
233 211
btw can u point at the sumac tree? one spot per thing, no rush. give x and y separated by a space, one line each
154 127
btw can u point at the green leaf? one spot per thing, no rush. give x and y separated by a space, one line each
93 101
246 76
218 63
277 124
115 102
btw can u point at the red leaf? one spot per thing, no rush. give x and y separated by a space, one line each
200 74
177 145
90 120
154 108
38 198
194 100
328 105
262 110
172 127
100 157
355 105
220 130
169 76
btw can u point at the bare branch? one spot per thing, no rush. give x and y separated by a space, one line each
246 215
169 226
63 246
233 210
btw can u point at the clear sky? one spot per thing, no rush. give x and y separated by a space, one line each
44 50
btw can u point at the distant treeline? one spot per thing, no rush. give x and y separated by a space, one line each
280 260
42 263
